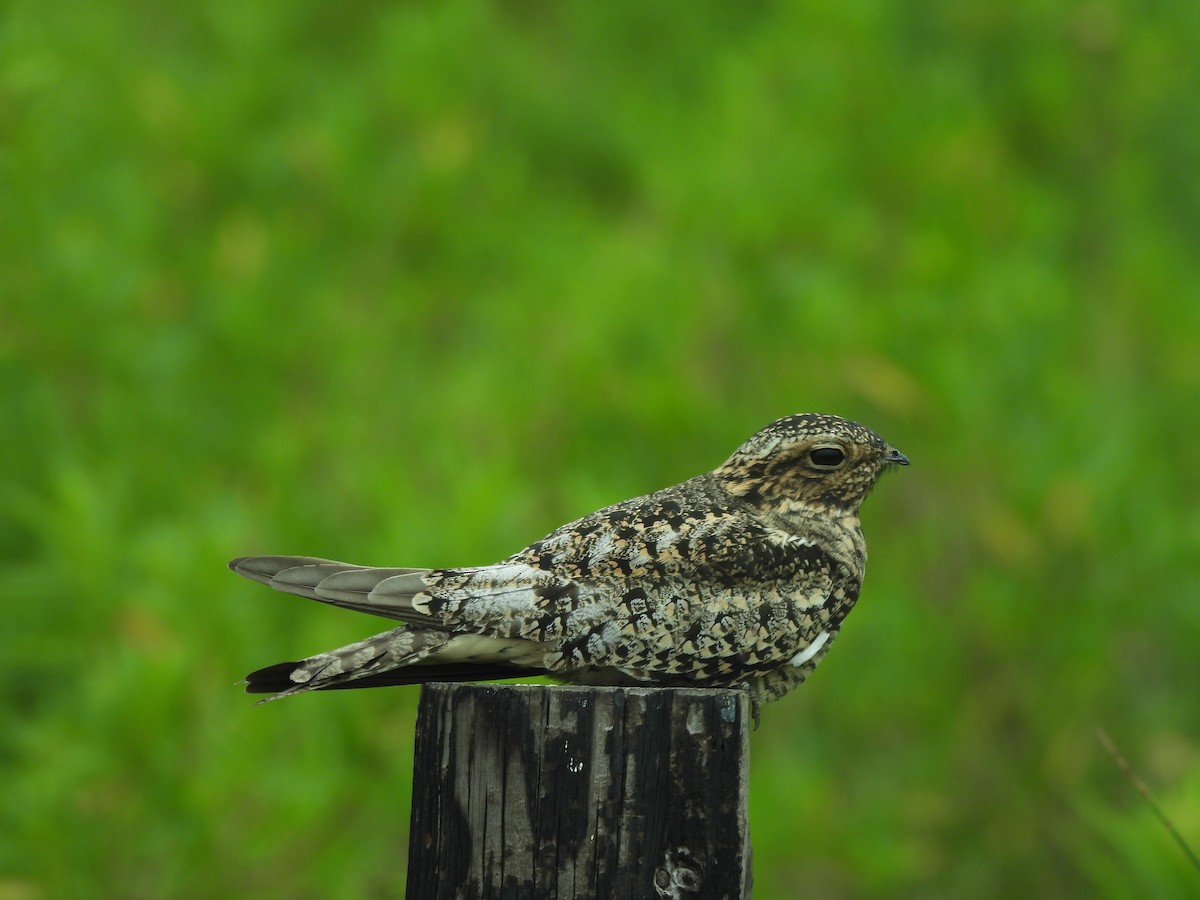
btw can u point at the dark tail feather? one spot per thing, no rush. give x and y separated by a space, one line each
277 678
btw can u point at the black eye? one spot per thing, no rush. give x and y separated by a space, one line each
826 457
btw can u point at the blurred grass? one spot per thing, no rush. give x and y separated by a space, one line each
414 283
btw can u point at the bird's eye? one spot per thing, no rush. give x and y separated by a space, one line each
826 457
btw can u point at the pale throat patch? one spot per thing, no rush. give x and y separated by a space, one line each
811 650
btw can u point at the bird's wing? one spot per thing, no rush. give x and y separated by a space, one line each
646 536
494 600
340 584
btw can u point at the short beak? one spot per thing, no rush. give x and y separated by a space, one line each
896 458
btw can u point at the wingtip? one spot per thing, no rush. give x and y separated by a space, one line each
255 568
264 568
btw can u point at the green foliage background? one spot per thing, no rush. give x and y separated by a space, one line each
413 283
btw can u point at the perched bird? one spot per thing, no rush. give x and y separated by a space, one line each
737 577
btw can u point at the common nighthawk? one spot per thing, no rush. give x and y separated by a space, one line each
737 577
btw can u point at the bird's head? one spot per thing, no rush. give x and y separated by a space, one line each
812 460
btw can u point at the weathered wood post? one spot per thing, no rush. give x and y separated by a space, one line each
524 791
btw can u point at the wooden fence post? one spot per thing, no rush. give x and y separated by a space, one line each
528 791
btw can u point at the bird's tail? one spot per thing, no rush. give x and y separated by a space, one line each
422 650
404 655
360 664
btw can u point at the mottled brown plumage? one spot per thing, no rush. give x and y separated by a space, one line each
739 576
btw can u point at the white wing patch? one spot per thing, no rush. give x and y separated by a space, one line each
810 651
